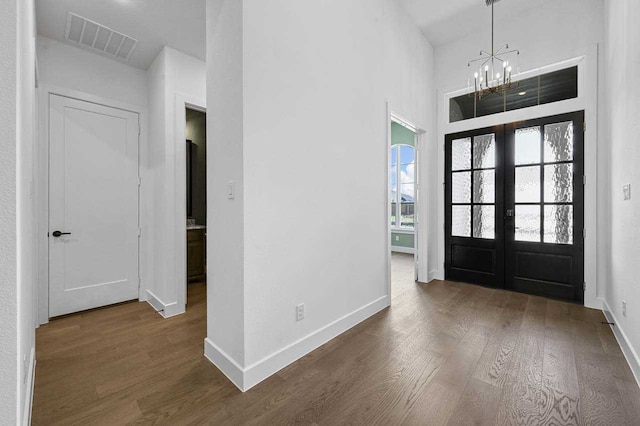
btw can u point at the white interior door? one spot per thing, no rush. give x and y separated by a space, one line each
93 202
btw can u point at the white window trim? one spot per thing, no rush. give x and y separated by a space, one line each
395 228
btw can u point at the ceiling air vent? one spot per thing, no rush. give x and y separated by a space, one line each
87 33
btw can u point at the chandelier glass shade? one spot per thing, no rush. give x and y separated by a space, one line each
493 71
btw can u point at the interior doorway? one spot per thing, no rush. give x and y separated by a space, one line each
196 201
403 203
514 199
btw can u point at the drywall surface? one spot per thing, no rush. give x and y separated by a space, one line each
621 112
74 68
17 207
225 222
26 208
558 32
172 73
8 212
304 135
315 119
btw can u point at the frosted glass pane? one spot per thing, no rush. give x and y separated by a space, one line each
484 186
528 145
461 187
461 154
558 142
528 184
558 183
461 221
558 224
484 151
528 223
484 222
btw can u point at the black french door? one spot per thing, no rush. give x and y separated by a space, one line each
514 199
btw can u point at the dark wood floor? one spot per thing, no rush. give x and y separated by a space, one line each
444 353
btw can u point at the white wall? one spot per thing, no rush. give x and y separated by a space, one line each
172 74
17 246
225 221
314 116
557 32
74 68
621 112
8 214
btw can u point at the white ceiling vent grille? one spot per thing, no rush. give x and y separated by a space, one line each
87 33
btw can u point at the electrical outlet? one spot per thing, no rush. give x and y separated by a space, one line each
626 190
300 312
397 237
624 308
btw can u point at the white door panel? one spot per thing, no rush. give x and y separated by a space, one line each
93 195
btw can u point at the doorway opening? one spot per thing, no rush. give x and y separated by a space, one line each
196 205
403 194
514 200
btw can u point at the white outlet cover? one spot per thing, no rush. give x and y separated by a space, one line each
626 190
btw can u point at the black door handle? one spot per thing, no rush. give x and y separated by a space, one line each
59 234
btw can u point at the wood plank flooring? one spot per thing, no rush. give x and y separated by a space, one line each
444 353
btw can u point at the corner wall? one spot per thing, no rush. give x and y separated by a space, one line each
172 74
307 144
621 111
17 207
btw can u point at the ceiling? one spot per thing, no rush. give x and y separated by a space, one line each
443 21
155 23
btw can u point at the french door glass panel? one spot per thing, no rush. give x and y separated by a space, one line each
514 204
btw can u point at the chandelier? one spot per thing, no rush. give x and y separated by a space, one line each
493 72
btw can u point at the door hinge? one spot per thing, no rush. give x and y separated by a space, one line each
139 181
139 130
584 287
584 179
139 232
584 234
584 127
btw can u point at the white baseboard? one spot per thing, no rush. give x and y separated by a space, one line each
629 352
225 363
167 310
407 250
247 377
31 380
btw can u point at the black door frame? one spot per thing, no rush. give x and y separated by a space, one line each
502 271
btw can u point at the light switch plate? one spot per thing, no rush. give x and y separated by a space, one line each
626 190
231 190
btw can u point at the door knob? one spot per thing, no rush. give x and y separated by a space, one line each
59 234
